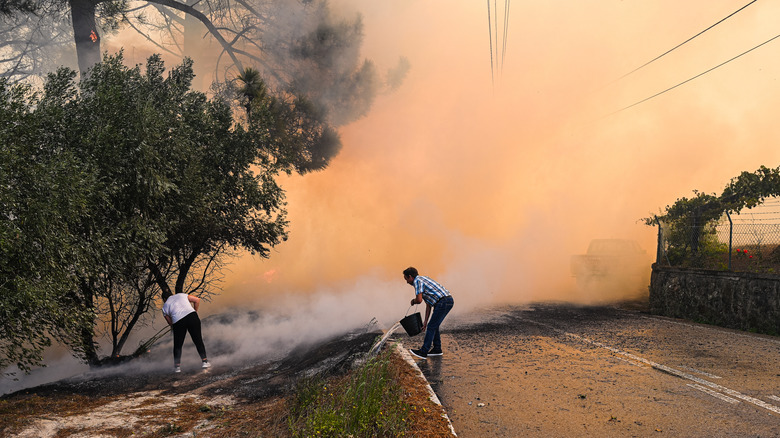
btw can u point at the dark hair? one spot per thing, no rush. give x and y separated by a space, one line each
410 271
165 295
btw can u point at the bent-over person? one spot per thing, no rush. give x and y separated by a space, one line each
436 297
181 312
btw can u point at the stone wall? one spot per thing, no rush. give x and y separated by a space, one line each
738 300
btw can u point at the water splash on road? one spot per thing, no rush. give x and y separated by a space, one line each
378 346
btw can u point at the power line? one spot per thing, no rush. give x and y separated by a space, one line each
493 30
506 32
694 77
495 26
684 42
490 32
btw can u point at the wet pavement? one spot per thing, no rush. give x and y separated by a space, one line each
559 370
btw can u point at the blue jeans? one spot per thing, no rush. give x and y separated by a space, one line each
440 310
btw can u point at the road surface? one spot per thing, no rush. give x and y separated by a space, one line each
563 371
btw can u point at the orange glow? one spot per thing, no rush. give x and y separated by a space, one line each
490 187
93 36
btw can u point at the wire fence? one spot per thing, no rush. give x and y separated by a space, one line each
746 242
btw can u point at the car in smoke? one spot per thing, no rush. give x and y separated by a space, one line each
612 264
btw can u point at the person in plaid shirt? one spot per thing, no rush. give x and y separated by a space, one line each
436 297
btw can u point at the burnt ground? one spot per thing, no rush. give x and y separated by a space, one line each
251 382
546 370
249 400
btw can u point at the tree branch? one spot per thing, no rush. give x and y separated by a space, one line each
153 41
206 22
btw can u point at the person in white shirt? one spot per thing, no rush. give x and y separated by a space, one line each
181 312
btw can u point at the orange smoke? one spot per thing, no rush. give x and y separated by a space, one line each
490 186
493 187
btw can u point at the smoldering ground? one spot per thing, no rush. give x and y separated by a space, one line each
235 337
285 328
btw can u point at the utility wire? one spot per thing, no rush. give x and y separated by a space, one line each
694 77
495 27
490 32
493 30
686 41
506 32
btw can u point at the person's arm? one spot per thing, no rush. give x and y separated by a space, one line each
195 301
427 314
418 290
168 319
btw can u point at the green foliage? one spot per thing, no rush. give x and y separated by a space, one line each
367 404
689 224
750 189
119 187
112 13
744 191
292 129
42 191
180 184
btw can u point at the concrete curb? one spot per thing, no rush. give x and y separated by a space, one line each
408 358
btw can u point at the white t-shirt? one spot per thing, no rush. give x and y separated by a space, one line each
177 306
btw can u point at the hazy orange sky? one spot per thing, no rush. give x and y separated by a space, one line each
490 185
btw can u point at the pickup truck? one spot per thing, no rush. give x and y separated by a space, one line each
617 260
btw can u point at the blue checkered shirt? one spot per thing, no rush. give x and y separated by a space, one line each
431 291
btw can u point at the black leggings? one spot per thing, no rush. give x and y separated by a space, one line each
190 323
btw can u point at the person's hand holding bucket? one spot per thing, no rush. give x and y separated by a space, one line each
412 323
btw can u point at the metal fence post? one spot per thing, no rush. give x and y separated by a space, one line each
731 234
659 248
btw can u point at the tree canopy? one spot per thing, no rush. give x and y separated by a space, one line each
299 46
42 192
126 184
746 190
688 222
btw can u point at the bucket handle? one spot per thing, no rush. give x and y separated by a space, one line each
407 310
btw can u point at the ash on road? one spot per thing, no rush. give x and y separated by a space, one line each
557 370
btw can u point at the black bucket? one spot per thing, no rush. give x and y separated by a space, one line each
412 324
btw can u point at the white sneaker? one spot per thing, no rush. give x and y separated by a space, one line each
206 364
177 369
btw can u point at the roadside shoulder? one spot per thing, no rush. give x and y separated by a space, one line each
430 420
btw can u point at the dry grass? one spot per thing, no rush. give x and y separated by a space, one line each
427 419
265 418
22 410
157 415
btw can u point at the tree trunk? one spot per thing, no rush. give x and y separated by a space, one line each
87 345
142 305
162 282
85 33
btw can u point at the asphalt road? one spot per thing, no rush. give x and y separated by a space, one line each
562 371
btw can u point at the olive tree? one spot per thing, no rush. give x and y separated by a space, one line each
173 186
43 192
